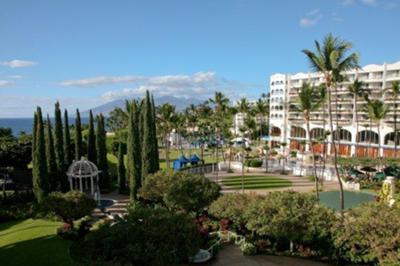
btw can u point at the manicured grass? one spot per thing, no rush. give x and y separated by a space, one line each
32 242
176 153
255 182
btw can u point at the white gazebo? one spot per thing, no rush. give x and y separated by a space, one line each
83 175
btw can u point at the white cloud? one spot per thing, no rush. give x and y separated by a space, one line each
201 84
100 80
5 83
18 63
311 18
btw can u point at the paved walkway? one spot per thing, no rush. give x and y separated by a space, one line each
299 184
232 256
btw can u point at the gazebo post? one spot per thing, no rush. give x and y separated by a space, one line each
91 185
70 183
80 184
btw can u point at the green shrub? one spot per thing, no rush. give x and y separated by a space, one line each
232 206
369 234
293 154
180 190
69 206
145 237
254 163
292 217
248 249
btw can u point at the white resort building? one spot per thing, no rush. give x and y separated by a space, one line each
288 126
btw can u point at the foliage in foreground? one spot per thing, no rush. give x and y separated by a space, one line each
145 237
180 190
370 234
69 206
292 217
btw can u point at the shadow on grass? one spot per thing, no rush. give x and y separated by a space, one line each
47 250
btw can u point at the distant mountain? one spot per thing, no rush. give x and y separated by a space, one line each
180 103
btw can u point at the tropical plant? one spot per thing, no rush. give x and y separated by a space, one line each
167 119
332 59
310 100
377 111
395 89
356 89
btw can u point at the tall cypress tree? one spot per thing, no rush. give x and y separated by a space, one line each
134 159
148 160
53 183
67 151
121 169
154 134
39 170
91 143
78 136
102 153
59 144
34 134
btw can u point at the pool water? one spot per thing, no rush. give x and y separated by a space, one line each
351 199
104 203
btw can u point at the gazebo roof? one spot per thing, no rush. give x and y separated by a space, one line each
82 169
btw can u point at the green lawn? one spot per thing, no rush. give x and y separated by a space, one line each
32 242
255 182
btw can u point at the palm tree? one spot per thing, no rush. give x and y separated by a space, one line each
377 111
220 102
356 89
191 117
310 101
331 59
395 89
261 111
167 118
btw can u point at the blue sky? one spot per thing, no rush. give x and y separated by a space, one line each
85 53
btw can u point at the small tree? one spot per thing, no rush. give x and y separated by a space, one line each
91 141
69 206
39 167
78 136
51 158
101 149
121 169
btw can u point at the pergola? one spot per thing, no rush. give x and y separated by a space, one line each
83 175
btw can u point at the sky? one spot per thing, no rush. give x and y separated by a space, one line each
86 53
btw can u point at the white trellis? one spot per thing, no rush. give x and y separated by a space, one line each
83 175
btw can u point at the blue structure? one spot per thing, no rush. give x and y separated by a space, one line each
194 159
180 162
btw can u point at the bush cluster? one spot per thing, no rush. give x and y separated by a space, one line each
146 236
254 163
291 221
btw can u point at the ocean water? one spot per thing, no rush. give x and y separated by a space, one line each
19 125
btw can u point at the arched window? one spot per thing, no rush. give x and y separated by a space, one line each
367 136
297 132
275 131
317 133
343 135
390 137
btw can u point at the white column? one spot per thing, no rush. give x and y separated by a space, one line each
71 187
80 184
91 185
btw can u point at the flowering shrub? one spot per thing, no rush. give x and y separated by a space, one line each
248 249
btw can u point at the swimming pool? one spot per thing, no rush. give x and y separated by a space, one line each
351 199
